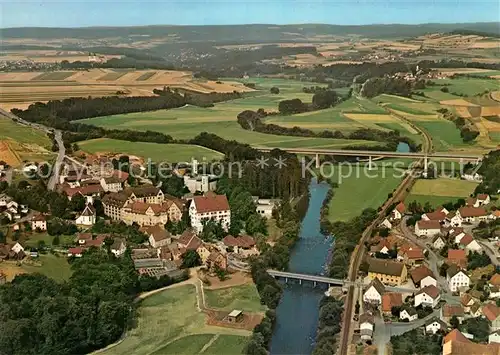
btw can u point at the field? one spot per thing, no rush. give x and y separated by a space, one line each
169 323
157 152
441 190
188 121
244 297
21 88
358 191
19 143
53 266
33 240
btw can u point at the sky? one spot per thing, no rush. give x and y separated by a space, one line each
71 13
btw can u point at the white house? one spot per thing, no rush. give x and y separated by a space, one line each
398 211
374 292
87 217
427 228
470 244
366 324
438 242
386 224
483 199
494 337
435 325
422 277
209 207
454 219
157 236
118 247
17 248
457 235
473 214
265 206
111 184
76 252
456 278
408 313
38 222
428 296
203 183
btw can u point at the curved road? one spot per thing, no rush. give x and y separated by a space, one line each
57 136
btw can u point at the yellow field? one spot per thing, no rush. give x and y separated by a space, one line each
495 95
52 56
490 110
457 102
22 89
371 117
415 117
462 111
490 126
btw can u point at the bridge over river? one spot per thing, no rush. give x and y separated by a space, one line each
329 281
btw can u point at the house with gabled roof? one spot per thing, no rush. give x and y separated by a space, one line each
398 212
469 244
87 217
408 313
457 278
157 235
390 300
366 325
450 310
434 325
374 292
438 215
422 276
457 257
427 228
492 313
39 222
454 219
473 214
438 242
428 296
388 272
209 207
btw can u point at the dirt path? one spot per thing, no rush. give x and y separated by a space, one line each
207 345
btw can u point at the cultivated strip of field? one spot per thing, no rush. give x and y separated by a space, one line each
444 187
145 76
57 75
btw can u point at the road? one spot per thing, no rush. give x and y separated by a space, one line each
492 254
384 331
434 259
375 153
57 136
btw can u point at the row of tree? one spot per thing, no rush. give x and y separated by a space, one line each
253 121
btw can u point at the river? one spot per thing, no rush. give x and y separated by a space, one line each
297 313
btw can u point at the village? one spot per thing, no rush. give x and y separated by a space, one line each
433 271
144 208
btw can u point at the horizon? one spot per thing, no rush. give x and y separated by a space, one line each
68 13
260 24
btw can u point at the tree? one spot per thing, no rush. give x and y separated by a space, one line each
454 322
56 241
274 90
190 259
77 203
443 269
3 239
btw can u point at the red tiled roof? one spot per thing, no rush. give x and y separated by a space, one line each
420 273
422 224
472 211
453 310
157 232
244 241
391 299
436 216
97 242
74 251
121 175
415 254
38 217
84 190
455 335
495 280
466 239
211 203
491 311
457 255
401 208
430 290
190 240
84 236
482 197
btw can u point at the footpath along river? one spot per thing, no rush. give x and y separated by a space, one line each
297 313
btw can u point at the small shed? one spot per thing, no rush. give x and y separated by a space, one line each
235 316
